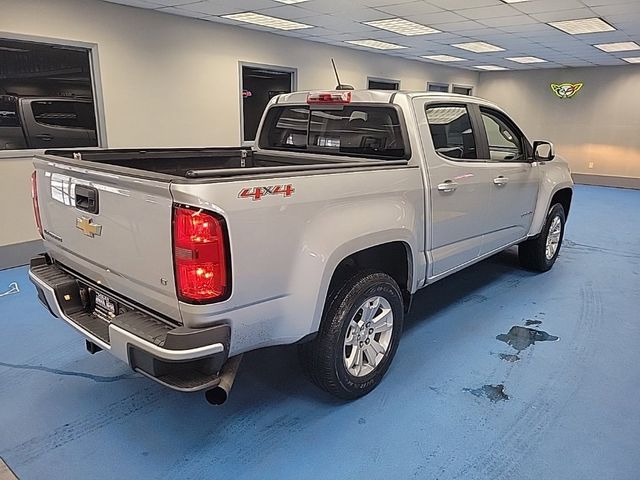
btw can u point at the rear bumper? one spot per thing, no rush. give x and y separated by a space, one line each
178 357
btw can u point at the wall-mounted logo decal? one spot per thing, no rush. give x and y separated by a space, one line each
566 90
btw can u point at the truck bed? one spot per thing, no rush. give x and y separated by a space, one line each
212 162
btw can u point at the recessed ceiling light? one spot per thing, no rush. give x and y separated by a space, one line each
266 21
402 26
478 47
443 58
375 44
584 25
526 60
490 67
632 59
291 2
618 47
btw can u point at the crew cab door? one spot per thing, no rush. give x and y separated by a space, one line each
458 183
514 179
58 122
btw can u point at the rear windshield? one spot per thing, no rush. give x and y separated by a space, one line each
368 131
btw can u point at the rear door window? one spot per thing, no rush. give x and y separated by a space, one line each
67 114
451 131
353 130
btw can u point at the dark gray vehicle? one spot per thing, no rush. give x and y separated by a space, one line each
44 122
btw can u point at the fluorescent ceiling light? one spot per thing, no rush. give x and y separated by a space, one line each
478 47
443 58
375 44
402 26
266 21
514 1
618 47
632 59
526 60
493 68
291 2
585 25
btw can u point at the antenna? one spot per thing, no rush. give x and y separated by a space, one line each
340 85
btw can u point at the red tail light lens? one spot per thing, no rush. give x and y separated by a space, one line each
201 256
34 198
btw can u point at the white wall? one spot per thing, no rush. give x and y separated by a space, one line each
174 81
597 131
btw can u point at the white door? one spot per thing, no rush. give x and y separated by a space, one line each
514 182
459 184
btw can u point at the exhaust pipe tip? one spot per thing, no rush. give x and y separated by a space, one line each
216 396
219 394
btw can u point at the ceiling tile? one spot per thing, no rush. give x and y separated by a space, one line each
508 21
541 6
459 4
488 12
409 9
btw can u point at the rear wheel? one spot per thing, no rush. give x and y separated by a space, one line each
541 253
358 337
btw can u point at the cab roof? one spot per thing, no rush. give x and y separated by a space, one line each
377 96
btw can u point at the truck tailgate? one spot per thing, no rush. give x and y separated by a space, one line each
124 243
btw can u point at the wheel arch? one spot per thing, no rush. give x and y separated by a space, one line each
562 196
389 252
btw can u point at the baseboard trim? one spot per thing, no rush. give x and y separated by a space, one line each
606 180
18 254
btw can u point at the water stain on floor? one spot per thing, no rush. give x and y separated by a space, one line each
521 338
509 357
495 393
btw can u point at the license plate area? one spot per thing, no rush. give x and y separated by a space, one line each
104 306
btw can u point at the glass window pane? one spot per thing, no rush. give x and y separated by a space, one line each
438 87
46 98
370 131
505 143
451 131
259 86
460 90
383 85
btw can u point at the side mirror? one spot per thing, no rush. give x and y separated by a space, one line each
543 151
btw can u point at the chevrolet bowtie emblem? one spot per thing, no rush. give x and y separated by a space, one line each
87 226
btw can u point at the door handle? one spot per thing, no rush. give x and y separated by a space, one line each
45 137
500 181
447 186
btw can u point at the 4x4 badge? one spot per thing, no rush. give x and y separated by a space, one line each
87 226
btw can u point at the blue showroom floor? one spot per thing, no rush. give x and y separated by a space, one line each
457 403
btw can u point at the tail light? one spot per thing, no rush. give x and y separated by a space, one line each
34 198
201 256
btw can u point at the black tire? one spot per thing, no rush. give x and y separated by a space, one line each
322 358
532 253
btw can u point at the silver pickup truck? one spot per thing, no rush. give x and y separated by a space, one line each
178 261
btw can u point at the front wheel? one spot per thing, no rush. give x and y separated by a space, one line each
541 253
358 336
